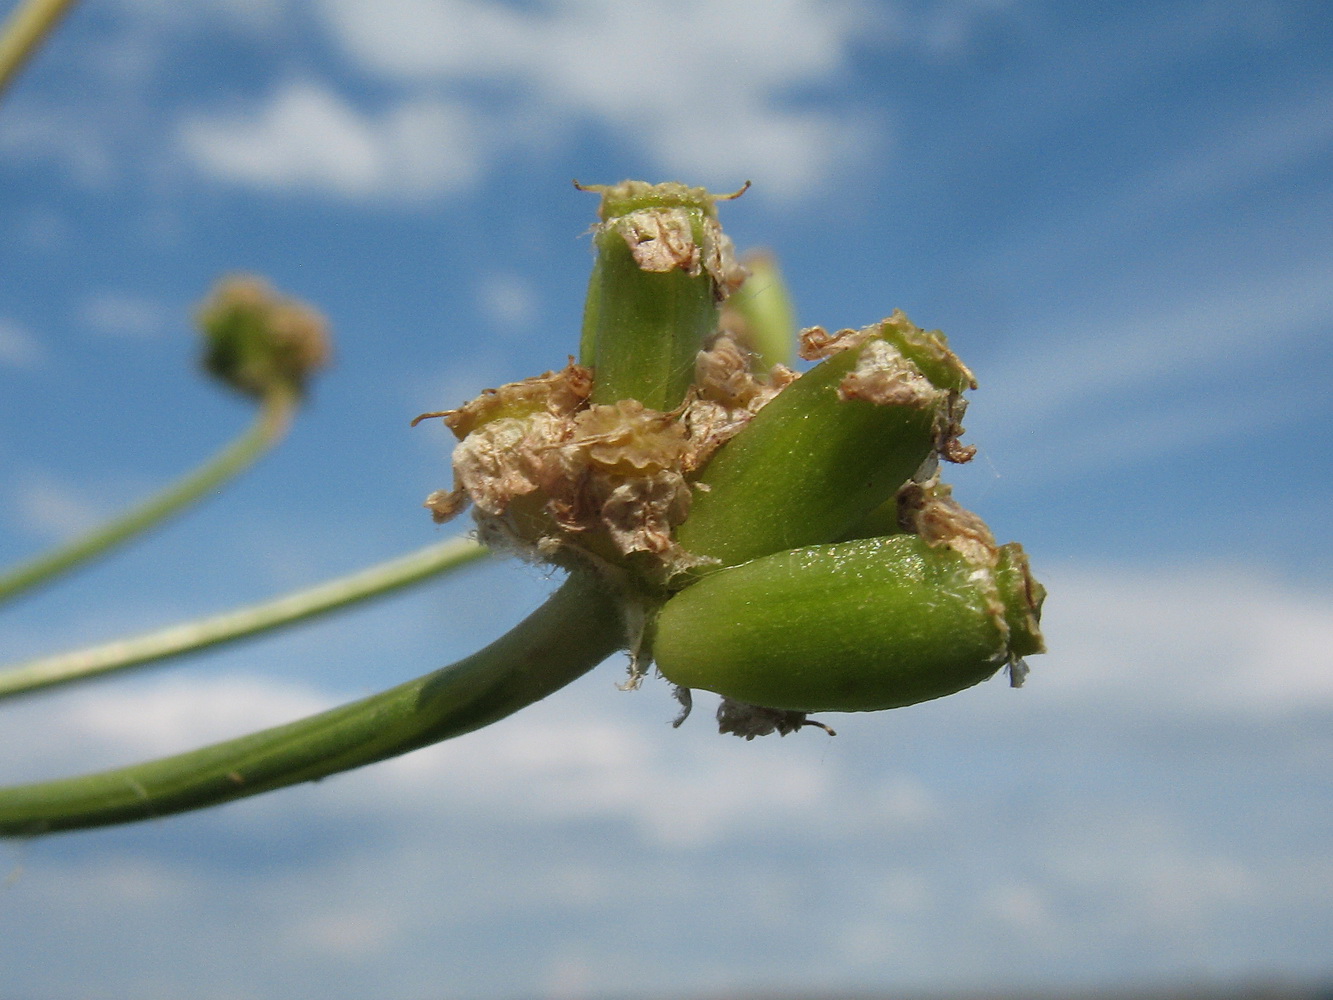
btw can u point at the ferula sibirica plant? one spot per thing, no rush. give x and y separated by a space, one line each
783 540
718 495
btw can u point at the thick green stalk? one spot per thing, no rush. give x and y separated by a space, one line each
377 581
578 627
268 428
662 322
24 31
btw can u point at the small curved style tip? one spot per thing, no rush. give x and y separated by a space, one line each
817 725
734 195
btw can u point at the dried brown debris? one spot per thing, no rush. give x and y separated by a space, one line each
548 473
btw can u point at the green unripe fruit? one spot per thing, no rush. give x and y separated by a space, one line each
831 447
851 627
663 268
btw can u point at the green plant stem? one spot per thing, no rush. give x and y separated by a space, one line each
270 425
377 581
577 627
23 32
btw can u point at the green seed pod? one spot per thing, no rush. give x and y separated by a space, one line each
833 445
663 268
257 341
760 315
851 627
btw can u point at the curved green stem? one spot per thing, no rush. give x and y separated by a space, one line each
578 627
377 581
268 428
24 31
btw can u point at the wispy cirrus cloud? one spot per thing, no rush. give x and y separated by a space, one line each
1190 369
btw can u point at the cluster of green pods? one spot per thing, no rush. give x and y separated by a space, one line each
814 592
795 582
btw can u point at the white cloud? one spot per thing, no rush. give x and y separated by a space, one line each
1217 639
55 510
56 134
353 930
717 92
508 300
109 725
703 86
18 347
179 712
114 314
307 138
1022 907
580 768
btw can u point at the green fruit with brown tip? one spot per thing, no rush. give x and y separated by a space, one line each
830 447
850 627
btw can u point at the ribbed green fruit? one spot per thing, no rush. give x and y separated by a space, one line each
662 270
850 627
812 464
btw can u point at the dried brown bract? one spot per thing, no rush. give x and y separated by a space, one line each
550 475
727 394
884 377
670 227
742 719
928 509
557 393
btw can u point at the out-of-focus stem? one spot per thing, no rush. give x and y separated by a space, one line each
270 425
177 640
761 312
23 32
578 627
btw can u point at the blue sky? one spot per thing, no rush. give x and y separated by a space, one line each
1120 214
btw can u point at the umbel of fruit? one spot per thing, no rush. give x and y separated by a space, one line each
780 539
